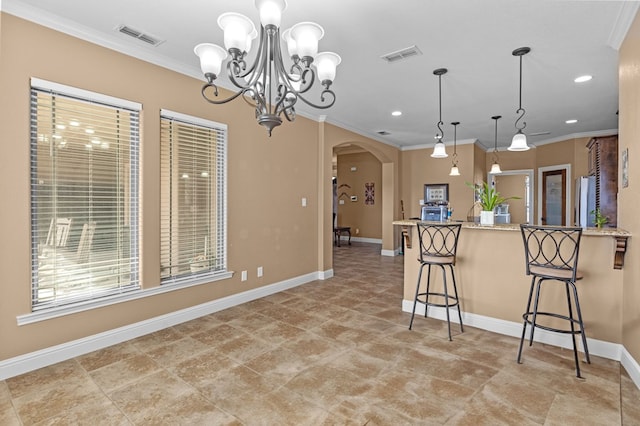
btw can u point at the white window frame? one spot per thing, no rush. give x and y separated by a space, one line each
220 270
54 307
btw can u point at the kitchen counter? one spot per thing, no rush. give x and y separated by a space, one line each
620 235
493 286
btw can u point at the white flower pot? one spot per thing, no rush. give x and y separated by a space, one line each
487 217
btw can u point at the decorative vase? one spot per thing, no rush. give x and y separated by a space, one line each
487 217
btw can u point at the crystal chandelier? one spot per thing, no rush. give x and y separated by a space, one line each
268 85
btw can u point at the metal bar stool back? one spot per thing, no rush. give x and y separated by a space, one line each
438 246
551 254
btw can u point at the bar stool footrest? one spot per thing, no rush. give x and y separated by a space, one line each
526 316
452 304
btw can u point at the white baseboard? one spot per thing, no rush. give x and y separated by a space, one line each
28 362
392 253
362 240
631 365
596 347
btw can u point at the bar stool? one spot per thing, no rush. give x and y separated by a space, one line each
551 254
438 245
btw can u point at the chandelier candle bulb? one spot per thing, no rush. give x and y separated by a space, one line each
236 29
326 63
271 11
211 57
307 35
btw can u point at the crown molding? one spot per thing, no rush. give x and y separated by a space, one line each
626 15
431 145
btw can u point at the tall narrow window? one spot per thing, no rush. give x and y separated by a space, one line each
84 195
193 198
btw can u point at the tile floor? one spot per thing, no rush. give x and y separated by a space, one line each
334 352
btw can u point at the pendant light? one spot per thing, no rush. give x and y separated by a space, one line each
495 167
439 150
519 141
454 163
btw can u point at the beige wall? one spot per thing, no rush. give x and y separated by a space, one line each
629 197
419 168
365 220
267 179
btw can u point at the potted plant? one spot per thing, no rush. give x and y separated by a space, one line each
598 218
488 199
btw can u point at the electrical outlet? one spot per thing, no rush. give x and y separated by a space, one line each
357 231
243 276
259 273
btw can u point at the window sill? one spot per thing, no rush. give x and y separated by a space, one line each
59 311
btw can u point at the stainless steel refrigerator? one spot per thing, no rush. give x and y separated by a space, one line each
585 201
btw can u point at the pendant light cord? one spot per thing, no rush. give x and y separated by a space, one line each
440 123
520 53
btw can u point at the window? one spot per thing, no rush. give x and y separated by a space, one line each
84 195
193 198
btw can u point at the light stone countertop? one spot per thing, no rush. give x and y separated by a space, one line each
598 232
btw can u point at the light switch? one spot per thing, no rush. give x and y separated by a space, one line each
304 202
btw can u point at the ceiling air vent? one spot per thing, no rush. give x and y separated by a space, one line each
131 32
383 133
402 54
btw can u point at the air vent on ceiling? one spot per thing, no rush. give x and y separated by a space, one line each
402 54
131 32
383 133
540 133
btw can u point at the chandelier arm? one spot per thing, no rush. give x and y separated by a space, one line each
215 88
325 92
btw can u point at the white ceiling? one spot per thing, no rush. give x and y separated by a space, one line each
473 39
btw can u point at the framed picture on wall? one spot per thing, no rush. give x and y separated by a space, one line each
436 193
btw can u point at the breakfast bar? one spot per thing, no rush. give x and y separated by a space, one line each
493 287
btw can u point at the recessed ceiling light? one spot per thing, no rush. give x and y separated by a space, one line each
396 113
571 121
583 78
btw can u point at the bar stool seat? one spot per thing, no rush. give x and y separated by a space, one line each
551 254
438 245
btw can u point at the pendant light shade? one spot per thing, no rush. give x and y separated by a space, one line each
439 150
454 163
495 167
519 141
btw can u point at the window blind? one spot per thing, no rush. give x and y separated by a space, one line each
84 196
193 197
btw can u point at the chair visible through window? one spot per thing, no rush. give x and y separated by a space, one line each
58 232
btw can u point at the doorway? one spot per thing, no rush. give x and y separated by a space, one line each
517 183
554 195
